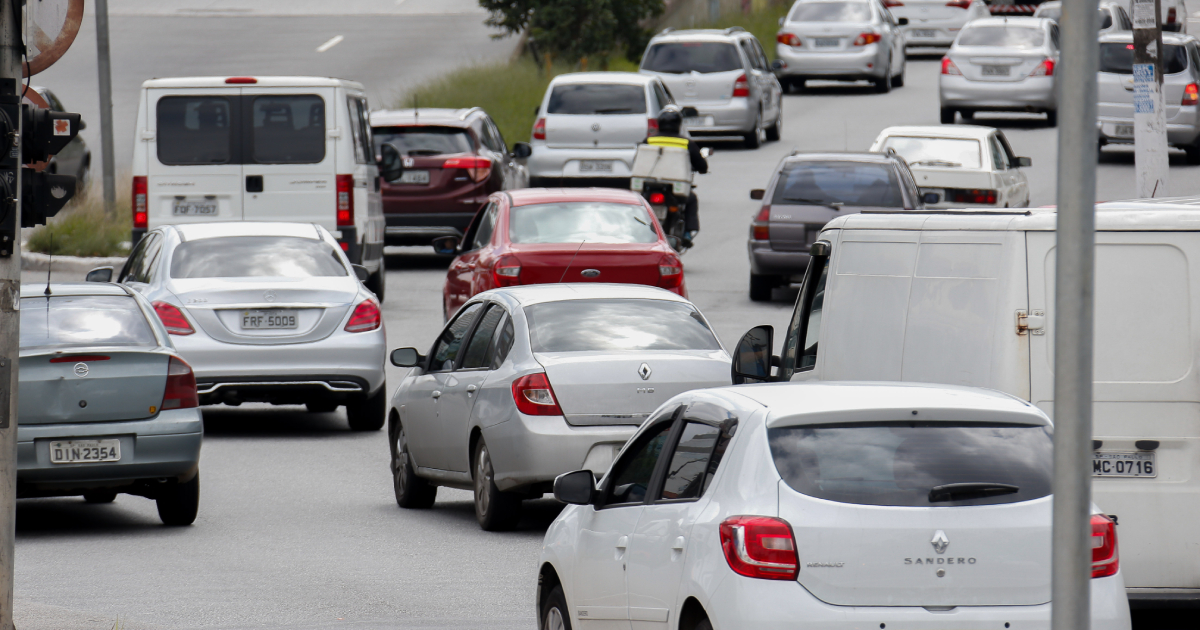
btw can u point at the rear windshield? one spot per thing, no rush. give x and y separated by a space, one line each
80 321
831 12
256 256
417 141
947 152
288 129
597 98
915 464
580 221
195 130
617 325
278 129
1118 58
844 183
702 57
1002 36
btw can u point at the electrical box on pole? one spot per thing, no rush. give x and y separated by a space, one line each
1149 115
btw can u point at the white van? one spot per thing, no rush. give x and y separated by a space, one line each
967 298
260 149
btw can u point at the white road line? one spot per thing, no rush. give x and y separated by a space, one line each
330 44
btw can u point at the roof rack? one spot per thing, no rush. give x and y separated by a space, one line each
468 112
666 30
734 29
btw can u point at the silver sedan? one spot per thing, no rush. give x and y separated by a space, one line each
843 41
1001 64
265 312
527 383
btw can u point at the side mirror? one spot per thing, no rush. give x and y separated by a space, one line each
361 273
407 357
689 112
391 166
575 488
752 358
675 242
1024 161
777 65
902 21
522 150
445 245
930 198
705 152
100 274
757 194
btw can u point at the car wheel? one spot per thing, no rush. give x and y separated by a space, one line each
761 287
178 504
377 283
754 137
884 85
321 407
947 116
776 129
100 496
898 80
368 415
412 492
495 510
967 114
704 624
554 611
1052 118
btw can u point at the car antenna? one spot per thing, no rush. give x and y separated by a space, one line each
560 279
416 109
49 263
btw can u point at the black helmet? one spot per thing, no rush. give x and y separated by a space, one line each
670 121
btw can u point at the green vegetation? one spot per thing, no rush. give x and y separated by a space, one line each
82 229
574 29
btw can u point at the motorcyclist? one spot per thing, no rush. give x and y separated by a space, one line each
671 134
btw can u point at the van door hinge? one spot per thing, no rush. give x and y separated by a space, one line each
1034 324
148 135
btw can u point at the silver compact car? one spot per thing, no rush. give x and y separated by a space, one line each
265 312
1180 89
841 40
935 23
106 404
1001 64
725 75
527 383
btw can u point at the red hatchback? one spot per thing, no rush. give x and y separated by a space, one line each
541 236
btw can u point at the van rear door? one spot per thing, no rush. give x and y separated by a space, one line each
194 172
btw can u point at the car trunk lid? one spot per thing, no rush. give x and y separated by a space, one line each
822 37
793 228
92 386
589 262
699 89
595 131
221 305
986 63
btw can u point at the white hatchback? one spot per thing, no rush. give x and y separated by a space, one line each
835 505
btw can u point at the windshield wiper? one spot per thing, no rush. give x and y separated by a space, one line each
836 205
936 163
974 490
612 110
424 152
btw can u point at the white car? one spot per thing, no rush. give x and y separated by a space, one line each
960 166
820 505
935 23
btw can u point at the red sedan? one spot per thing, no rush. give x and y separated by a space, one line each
538 236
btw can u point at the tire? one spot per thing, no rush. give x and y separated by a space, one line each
495 510
178 504
704 624
753 139
377 283
321 407
898 80
100 496
884 85
1052 118
775 131
947 116
412 492
761 286
554 615
967 114
368 415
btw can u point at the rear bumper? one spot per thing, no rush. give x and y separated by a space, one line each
1031 94
1182 130
567 162
1158 598
531 450
422 228
866 62
765 261
736 116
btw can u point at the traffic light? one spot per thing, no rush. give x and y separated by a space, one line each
43 134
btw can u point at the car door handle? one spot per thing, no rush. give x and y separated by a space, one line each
436 394
622 542
678 546
471 389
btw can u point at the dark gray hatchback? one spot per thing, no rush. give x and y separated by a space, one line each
807 191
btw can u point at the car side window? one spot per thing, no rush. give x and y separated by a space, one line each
999 159
661 94
357 132
761 54
504 343
812 325
806 322
1008 152
1054 36
445 352
688 472
139 270
497 138
751 56
631 475
135 257
487 225
476 354
909 181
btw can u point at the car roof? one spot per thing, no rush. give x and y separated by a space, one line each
1181 214
797 404
1126 37
530 196
196 231
844 156
977 132
1022 21
425 115
540 293
615 78
37 289
260 82
699 34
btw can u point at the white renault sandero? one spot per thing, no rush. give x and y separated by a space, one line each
820 505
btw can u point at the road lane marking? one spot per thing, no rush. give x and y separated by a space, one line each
330 44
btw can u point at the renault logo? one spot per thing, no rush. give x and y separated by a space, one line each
940 542
269 295
81 369
644 371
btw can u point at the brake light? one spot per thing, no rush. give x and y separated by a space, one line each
892 3
539 129
1191 94
866 38
241 80
478 168
173 319
76 358
507 271
534 396
670 272
652 127
948 67
741 87
139 202
788 39
658 198
959 195
760 229
1105 561
345 201
180 392
760 547
962 4
1171 15
365 318
1044 69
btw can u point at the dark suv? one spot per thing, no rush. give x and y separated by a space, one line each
809 190
453 159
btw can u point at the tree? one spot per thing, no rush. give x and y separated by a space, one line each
573 29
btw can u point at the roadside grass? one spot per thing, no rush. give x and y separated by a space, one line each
82 229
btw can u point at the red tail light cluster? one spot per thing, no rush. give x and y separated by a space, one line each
345 201
181 386
962 4
892 3
670 272
366 317
970 195
760 229
1171 15
866 38
788 39
478 168
948 67
534 396
139 202
1044 69
652 127
760 547
658 198
173 319
1105 561
741 87
1191 95
539 129
507 271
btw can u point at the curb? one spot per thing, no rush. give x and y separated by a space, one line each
32 261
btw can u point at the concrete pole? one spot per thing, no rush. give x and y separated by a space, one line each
11 49
104 67
1073 318
1149 115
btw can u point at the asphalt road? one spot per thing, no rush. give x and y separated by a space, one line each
298 527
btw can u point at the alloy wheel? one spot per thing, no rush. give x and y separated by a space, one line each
400 462
554 620
483 481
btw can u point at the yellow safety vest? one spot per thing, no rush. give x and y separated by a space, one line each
667 141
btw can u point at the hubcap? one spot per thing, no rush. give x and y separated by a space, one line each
554 620
401 466
483 481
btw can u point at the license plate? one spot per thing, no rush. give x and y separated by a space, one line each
826 42
259 320
414 177
660 212
1123 131
923 32
996 71
595 166
698 121
1126 464
85 451
206 208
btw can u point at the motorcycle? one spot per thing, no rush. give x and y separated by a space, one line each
663 176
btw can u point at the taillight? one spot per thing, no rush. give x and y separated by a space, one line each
139 202
760 229
478 168
652 127
962 4
948 67
658 198
1191 94
892 3
741 87
507 271
1105 561
345 201
173 319
670 272
866 38
1171 15
534 396
760 547
539 129
181 386
365 318
1044 69
959 195
788 39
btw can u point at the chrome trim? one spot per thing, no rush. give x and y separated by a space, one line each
267 306
333 386
421 230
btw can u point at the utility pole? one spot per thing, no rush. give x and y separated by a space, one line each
104 67
11 49
1149 116
1073 319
